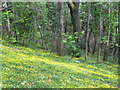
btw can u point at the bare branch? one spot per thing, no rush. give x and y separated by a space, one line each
6 8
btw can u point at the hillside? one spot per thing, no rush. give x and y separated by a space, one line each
32 67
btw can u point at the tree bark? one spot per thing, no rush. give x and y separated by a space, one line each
62 30
100 35
15 32
119 33
8 21
88 31
75 19
106 49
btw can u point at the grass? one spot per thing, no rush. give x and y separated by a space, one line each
25 67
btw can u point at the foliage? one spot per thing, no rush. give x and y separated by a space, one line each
70 44
29 29
25 67
28 22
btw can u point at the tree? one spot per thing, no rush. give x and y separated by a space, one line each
75 19
87 27
87 31
7 21
100 35
119 33
106 47
62 30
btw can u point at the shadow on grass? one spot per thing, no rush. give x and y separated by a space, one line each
38 67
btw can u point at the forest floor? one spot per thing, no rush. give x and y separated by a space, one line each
32 67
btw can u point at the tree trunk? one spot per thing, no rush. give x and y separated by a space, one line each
100 34
94 47
62 30
89 43
119 33
61 23
75 19
106 49
15 32
8 21
88 31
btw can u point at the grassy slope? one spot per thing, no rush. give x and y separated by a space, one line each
24 67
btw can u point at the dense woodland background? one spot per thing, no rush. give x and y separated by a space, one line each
65 28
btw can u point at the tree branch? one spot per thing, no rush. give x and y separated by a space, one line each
6 8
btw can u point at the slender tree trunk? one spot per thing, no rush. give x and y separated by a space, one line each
89 43
8 21
88 31
106 49
119 33
94 34
62 30
100 35
15 32
1 26
94 47
61 23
